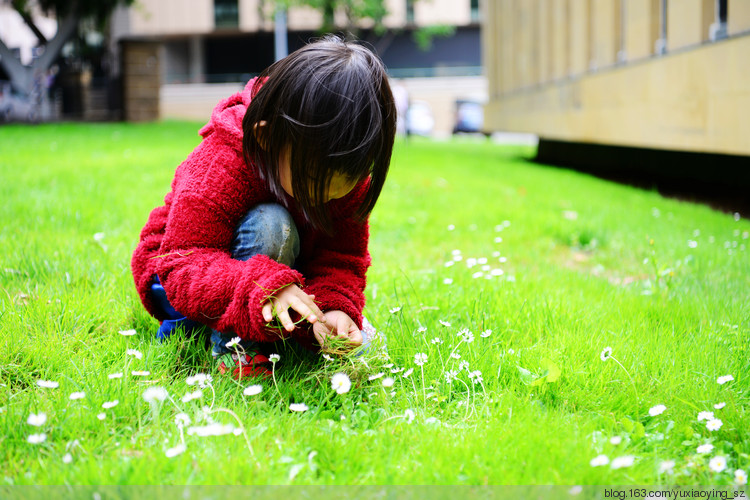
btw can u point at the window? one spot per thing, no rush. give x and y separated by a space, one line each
718 29
410 11
475 11
226 14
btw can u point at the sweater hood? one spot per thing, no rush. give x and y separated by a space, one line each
226 118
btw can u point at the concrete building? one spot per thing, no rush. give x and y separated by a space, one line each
207 49
654 74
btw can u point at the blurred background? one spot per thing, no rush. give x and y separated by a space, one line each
611 85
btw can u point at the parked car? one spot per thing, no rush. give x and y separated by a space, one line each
469 117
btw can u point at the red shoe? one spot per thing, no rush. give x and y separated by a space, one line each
245 365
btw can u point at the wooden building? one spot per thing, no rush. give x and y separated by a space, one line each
656 74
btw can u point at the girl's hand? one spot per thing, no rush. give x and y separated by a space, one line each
337 324
291 296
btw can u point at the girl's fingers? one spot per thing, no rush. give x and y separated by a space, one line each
267 312
286 321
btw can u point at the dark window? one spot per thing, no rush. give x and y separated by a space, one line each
722 14
410 11
226 14
475 10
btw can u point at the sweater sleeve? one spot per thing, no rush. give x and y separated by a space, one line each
336 271
194 265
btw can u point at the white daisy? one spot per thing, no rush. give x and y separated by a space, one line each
740 477
408 372
341 383
298 407
723 380
620 462
437 340
409 416
127 333
375 377
450 376
101 416
717 464
447 281
190 396
444 323
177 450
48 384
140 373
110 404
394 310
606 353
657 410
615 440
201 379
233 342
274 358
36 438
666 467
181 420
485 333
154 394
705 415
719 406
599 461
714 424
388 382
134 352
420 359
112 376
37 419
705 448
252 390
77 395
67 458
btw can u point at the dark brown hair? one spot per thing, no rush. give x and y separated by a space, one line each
331 104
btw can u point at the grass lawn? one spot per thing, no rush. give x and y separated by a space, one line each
544 327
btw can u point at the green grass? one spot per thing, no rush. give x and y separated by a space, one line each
586 264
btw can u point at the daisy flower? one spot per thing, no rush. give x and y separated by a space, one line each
606 353
181 420
717 464
447 281
274 358
101 416
615 440
599 461
388 382
252 390
444 323
37 420
420 359
705 448
723 380
77 395
154 394
233 342
112 376
298 407
437 340
203 380
127 333
657 410
450 376
140 373
714 424
68 458
408 372
48 384
110 404
485 333
190 396
705 415
666 467
719 406
409 416
177 450
375 377
135 353
394 310
740 477
621 462
36 438
341 383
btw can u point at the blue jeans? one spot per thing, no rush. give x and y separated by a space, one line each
267 229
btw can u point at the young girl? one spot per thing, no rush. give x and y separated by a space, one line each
264 233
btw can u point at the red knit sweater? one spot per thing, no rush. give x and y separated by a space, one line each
186 241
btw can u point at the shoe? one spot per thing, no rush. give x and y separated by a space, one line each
245 365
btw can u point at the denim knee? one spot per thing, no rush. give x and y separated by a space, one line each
267 229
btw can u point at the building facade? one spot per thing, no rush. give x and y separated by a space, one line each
662 74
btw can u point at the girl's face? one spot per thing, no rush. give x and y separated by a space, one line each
339 186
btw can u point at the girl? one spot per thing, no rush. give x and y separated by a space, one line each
264 233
